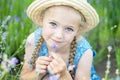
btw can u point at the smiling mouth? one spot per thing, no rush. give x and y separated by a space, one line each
57 41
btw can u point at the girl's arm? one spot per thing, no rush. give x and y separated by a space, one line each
84 66
65 76
27 73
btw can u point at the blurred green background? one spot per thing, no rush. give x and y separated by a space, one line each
15 26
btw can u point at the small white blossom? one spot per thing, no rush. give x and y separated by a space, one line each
117 72
108 64
107 71
71 67
109 48
103 79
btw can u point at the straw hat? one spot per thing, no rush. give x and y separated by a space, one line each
37 7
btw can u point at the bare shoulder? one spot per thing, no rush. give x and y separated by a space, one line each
79 38
30 39
29 46
84 66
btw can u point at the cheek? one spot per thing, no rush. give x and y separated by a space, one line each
47 32
69 39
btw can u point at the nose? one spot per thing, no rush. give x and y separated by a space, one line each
59 34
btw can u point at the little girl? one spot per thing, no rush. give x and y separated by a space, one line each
56 50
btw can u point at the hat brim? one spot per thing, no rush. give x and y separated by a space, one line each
36 9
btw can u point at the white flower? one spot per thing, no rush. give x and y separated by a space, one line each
71 67
107 71
109 48
108 64
117 71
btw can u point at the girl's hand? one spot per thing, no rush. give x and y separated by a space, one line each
57 65
41 64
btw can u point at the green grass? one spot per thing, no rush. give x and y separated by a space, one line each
16 29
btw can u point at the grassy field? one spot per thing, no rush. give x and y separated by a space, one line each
15 26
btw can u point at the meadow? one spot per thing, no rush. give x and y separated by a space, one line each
15 26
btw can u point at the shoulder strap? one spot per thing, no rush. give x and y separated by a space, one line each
43 51
37 34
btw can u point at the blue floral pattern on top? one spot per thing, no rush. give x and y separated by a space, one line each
82 46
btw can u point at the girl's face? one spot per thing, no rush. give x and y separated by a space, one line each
60 26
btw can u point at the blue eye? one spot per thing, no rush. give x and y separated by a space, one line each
69 29
53 24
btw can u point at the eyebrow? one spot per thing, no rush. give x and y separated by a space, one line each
59 23
54 21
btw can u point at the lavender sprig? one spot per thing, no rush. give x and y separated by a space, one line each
54 77
54 47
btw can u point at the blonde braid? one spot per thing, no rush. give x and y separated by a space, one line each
35 52
72 55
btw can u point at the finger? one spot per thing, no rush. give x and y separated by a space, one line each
58 58
54 67
50 69
54 55
41 67
42 62
38 71
43 71
44 58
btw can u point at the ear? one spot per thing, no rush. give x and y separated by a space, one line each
78 32
78 35
41 22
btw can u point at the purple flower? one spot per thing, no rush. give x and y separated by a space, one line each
53 77
54 47
13 61
17 18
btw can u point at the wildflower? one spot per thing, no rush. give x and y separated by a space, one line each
108 55
6 20
4 35
108 64
107 71
54 77
5 57
13 61
17 18
71 67
117 72
109 48
4 66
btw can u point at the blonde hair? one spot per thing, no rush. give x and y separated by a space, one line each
71 56
35 52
